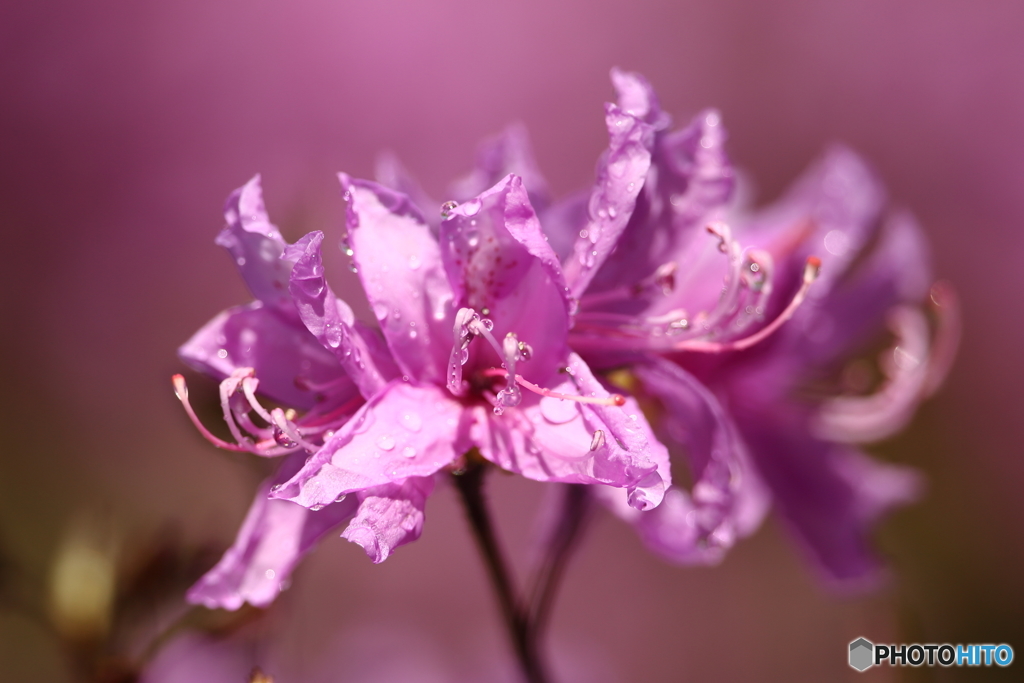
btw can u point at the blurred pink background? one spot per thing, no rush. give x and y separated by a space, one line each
124 126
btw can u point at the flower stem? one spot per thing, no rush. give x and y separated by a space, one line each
470 487
572 519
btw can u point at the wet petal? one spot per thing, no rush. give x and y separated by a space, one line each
331 321
500 265
256 245
288 360
389 516
620 178
637 98
405 431
727 500
399 263
553 439
275 535
688 186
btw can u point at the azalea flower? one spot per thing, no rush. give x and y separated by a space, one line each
476 321
263 348
475 366
726 330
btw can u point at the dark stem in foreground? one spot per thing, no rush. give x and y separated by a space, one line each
470 487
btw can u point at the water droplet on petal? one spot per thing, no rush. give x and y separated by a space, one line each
447 208
414 262
412 421
380 310
558 410
222 353
316 508
270 574
409 452
385 442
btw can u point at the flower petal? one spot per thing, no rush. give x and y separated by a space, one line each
689 185
330 319
620 178
390 172
727 500
275 535
560 440
830 495
831 212
637 98
404 431
288 360
256 245
399 263
895 272
500 264
389 516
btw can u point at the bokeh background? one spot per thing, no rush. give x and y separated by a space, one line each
124 125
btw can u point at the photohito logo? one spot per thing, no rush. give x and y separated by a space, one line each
865 654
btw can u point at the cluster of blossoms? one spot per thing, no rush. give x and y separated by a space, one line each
582 342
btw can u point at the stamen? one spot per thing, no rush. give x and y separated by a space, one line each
598 440
181 391
249 385
283 427
662 280
612 400
307 384
227 390
811 270
913 370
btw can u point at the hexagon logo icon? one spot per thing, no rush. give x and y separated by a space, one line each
861 654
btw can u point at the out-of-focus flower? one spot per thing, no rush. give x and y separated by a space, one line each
490 277
82 586
737 390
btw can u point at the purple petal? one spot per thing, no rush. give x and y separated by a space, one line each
563 220
637 98
498 157
727 500
400 266
389 516
500 264
689 185
620 179
829 495
560 440
831 212
390 172
275 535
896 272
405 431
256 245
331 321
288 360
